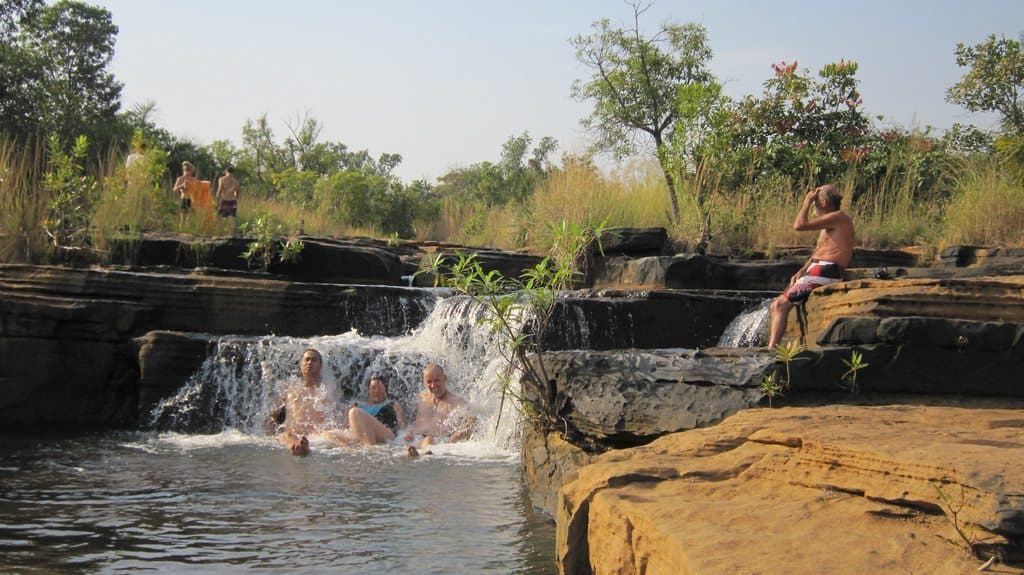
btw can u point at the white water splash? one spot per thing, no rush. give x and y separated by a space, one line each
236 385
748 329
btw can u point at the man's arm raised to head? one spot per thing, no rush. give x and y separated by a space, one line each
822 222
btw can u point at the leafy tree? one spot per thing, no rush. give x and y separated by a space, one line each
511 179
809 129
994 82
19 71
73 44
634 83
701 146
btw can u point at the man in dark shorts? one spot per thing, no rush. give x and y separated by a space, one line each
188 174
831 255
228 192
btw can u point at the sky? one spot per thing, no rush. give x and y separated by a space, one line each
445 82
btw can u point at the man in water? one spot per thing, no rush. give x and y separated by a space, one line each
831 255
304 408
228 192
441 415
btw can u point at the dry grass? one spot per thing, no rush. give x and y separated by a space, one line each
987 207
23 204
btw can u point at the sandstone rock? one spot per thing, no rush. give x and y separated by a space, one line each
986 299
549 461
993 260
839 489
604 400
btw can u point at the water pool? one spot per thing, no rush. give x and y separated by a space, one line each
230 502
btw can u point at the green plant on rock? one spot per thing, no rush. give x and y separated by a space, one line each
953 510
785 354
854 365
72 191
770 387
520 310
269 242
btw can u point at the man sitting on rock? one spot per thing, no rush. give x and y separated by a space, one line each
441 415
831 255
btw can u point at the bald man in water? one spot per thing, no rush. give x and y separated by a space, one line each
441 415
831 255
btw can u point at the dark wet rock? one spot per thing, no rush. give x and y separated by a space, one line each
615 399
610 319
166 359
702 272
216 304
508 264
993 260
66 351
633 242
321 259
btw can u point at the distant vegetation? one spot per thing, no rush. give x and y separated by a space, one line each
722 175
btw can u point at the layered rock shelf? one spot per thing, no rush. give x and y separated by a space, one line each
830 489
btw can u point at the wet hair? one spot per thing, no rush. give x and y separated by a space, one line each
319 357
432 366
382 381
230 169
832 196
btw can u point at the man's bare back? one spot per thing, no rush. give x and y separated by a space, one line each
228 188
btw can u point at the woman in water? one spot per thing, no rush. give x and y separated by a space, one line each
378 421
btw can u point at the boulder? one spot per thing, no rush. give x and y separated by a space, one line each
549 461
835 489
166 360
615 399
633 242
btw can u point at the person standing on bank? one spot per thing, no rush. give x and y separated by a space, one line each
188 174
228 192
831 255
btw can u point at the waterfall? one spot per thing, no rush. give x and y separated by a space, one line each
748 329
237 383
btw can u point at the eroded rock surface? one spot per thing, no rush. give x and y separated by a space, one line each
837 489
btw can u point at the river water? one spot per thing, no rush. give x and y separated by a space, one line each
230 502
207 490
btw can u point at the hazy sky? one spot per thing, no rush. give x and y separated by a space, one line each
445 83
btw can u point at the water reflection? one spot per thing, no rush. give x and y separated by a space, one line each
228 502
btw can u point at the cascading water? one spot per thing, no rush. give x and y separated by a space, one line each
236 385
748 329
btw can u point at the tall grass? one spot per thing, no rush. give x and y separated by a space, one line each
987 207
23 203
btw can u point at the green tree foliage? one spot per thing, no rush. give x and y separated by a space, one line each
808 129
994 81
634 82
55 70
512 179
72 191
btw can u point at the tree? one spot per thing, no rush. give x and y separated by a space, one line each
634 82
700 144
73 43
994 82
